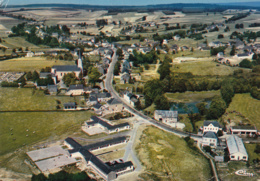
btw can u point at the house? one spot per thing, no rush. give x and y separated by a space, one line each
70 106
166 116
102 96
114 105
241 56
60 70
244 130
29 54
52 89
125 66
176 37
220 55
130 98
108 171
210 139
215 44
124 78
92 100
236 148
212 126
77 89
97 122
98 108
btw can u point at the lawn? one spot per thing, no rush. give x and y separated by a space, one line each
250 148
40 126
191 96
17 42
14 99
204 68
247 106
167 157
29 64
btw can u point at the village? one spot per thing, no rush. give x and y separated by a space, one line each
111 88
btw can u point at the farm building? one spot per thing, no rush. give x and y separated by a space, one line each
236 148
75 90
166 116
243 130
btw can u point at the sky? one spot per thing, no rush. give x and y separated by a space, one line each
119 2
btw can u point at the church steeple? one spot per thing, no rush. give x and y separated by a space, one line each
80 64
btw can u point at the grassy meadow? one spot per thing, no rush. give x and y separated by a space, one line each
30 64
15 99
247 106
162 155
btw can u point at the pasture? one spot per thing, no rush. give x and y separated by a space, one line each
29 64
161 153
247 106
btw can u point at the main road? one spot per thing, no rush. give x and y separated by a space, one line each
108 85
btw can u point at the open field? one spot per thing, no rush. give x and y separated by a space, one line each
204 68
29 64
191 96
44 125
250 148
247 106
162 154
15 99
17 42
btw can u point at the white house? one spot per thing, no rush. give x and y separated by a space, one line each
248 55
212 126
210 139
236 148
130 98
215 44
166 116
75 90
244 130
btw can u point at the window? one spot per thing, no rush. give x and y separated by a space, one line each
244 157
232 156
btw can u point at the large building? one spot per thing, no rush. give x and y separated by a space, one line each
108 171
166 116
236 148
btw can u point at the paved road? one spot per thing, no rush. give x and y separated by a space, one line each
109 87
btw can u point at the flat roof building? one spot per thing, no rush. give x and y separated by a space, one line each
236 148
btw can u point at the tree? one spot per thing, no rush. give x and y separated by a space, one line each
146 66
120 54
152 88
220 36
161 103
202 108
257 149
217 108
245 63
39 177
35 76
164 69
69 78
233 50
29 76
227 91
4 50
94 75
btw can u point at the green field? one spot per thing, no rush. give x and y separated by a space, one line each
30 64
45 124
191 96
204 68
247 106
167 157
17 42
14 99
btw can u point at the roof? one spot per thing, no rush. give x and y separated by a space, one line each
210 134
45 74
95 146
97 120
243 54
66 68
52 88
113 101
166 113
73 143
97 106
69 104
92 98
119 166
235 145
76 87
244 127
214 123
101 95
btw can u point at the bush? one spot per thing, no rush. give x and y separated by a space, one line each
245 63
